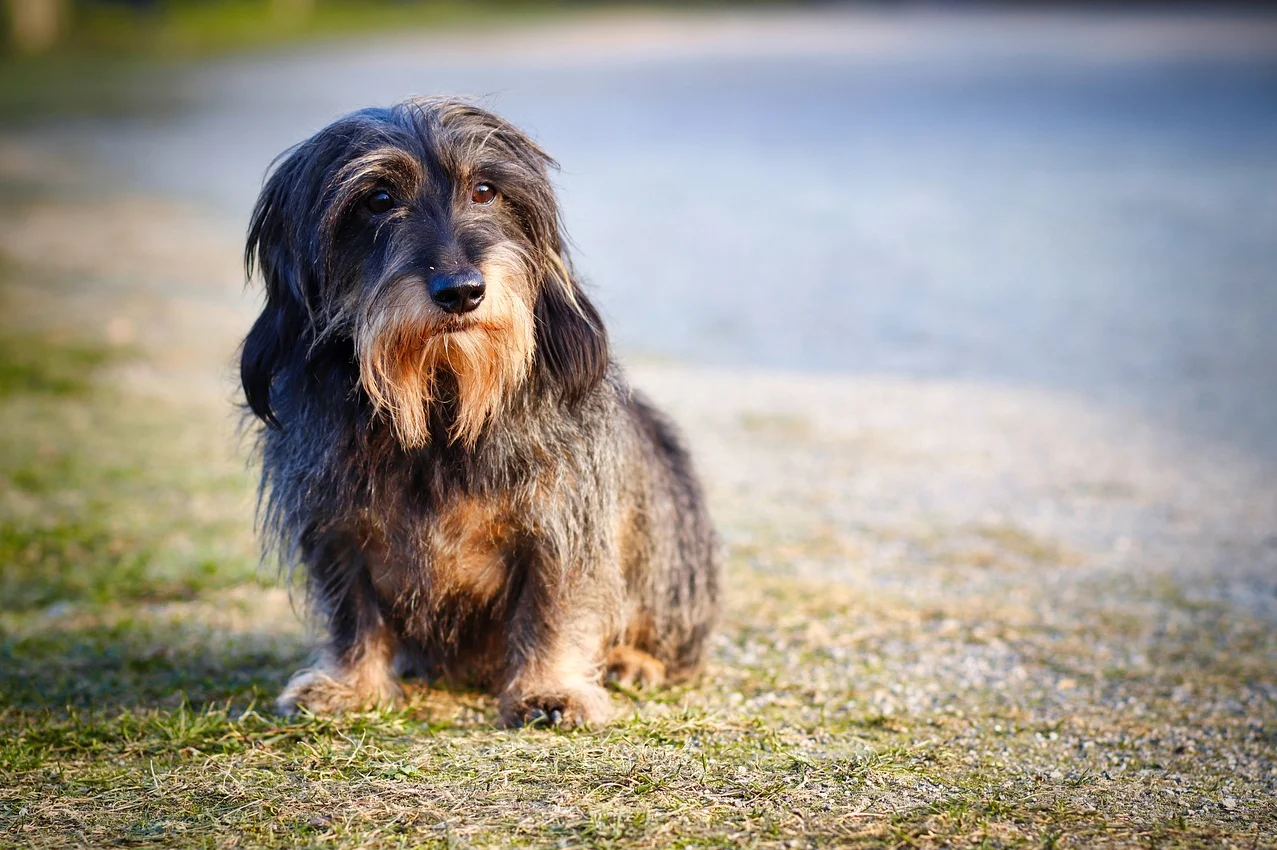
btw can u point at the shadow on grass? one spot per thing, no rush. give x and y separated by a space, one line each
135 663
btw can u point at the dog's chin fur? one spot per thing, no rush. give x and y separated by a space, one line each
406 345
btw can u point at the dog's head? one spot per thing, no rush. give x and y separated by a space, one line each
426 236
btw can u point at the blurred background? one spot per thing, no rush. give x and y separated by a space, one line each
1018 261
930 286
1017 256
969 313
1073 199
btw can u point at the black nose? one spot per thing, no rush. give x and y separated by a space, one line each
458 293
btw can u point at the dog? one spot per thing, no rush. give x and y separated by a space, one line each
448 450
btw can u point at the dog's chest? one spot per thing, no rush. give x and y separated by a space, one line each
463 555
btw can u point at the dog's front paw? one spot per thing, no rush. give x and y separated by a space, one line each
320 692
566 708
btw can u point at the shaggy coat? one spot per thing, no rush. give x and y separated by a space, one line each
448 452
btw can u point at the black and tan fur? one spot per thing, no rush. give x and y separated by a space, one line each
475 495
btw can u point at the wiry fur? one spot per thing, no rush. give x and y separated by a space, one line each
476 496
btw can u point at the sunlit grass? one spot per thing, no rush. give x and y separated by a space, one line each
94 478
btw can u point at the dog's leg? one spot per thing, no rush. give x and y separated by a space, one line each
355 669
357 678
555 648
558 686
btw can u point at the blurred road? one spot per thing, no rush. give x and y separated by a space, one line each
1083 203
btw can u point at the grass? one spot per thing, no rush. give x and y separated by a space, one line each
88 481
116 60
119 60
139 651
30 365
141 723
86 85
186 29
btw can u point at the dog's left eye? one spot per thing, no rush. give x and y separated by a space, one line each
483 193
380 201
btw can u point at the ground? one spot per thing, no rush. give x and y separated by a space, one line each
960 612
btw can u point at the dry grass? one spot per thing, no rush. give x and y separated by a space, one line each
137 647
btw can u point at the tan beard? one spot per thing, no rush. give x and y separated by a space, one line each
407 343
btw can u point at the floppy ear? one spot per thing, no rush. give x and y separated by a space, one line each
263 355
283 247
270 250
571 342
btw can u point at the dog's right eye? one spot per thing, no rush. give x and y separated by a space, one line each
380 201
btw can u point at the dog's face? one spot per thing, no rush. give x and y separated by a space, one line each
427 235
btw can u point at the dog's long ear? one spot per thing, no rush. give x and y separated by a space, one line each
571 342
281 246
269 250
262 357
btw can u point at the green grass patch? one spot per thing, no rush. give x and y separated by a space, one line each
114 60
100 508
101 503
42 566
33 364
89 84
186 29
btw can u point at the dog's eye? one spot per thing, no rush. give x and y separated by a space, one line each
483 193
380 201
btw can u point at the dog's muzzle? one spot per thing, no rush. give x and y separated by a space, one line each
459 292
